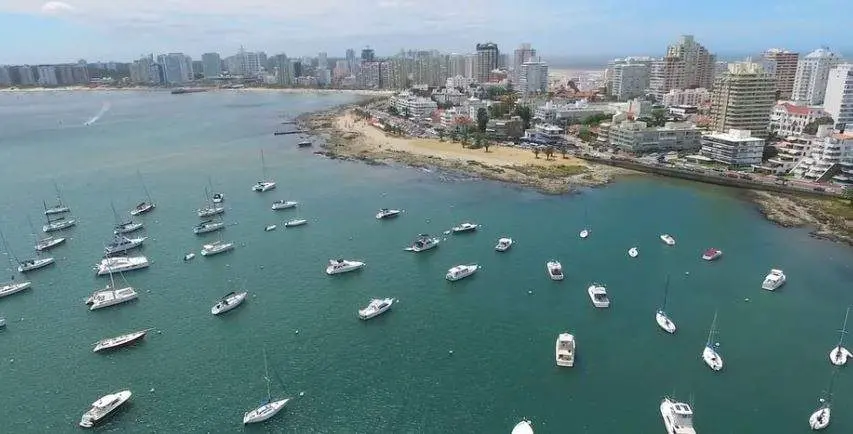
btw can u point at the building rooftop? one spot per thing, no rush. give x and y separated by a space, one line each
735 136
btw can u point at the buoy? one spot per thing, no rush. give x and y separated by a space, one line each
262 267
152 390
297 332
530 292
686 273
301 393
159 332
11 360
746 299
450 352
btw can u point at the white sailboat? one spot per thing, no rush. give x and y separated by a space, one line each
110 296
523 427
584 233
59 208
838 356
58 223
710 355
228 302
45 242
12 286
663 320
146 205
264 184
124 226
269 408
633 252
210 209
677 416
819 419
29 264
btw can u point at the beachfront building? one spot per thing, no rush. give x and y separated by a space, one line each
782 65
473 105
211 65
505 129
637 137
524 53
830 159
735 148
742 99
448 95
452 117
789 119
410 105
789 153
664 75
686 97
567 113
838 101
628 78
5 77
698 62
533 78
47 75
812 74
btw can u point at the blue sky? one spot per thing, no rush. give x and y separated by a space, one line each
36 31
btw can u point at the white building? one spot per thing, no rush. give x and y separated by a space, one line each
472 105
211 65
533 78
177 67
692 97
448 95
629 80
787 119
552 112
47 75
830 159
734 148
812 73
636 137
451 117
838 102
410 105
458 81
789 154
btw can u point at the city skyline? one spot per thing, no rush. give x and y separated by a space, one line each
102 30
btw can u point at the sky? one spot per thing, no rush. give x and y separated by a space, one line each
35 31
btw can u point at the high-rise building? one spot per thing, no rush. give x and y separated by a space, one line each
456 65
782 65
812 72
533 78
629 79
742 99
47 75
5 78
523 53
211 65
283 70
25 75
470 66
838 101
351 63
487 60
666 74
322 60
141 70
368 55
177 67
698 62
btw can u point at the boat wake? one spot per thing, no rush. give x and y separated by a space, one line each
104 108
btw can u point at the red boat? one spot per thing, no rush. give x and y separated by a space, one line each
712 254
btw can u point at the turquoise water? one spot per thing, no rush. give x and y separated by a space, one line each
199 373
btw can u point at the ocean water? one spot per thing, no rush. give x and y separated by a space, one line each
471 356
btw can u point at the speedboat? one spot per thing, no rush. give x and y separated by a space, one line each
119 341
820 418
303 144
218 197
264 412
386 213
338 266
423 242
294 223
712 254
142 208
12 287
598 295
709 354
584 233
216 247
209 211
773 280
523 427
503 244
284 204
2 322
633 252
555 270
677 417
121 264
664 322
270 228
58 224
110 297
103 407
189 256
376 307
668 239
230 301
122 243
127 227
207 226
48 243
461 271
465 227
34 264
565 350
262 186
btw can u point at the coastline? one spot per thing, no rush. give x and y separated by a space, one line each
363 92
829 219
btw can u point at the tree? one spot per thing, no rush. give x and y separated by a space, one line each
536 151
482 119
478 140
811 127
525 114
564 151
848 194
498 110
549 152
393 111
509 101
593 120
769 152
658 118
486 145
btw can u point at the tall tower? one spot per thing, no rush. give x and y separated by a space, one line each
811 76
487 61
742 99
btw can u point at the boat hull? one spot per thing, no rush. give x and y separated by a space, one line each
58 226
599 302
387 215
264 412
555 271
89 420
819 419
712 359
366 314
664 322
128 228
217 250
838 356
523 427
352 266
264 186
295 223
47 244
35 265
119 341
101 299
106 267
233 302
142 209
633 252
10 288
455 274
284 205
209 212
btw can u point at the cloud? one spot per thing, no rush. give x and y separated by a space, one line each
53 8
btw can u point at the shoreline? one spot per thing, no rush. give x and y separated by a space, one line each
291 90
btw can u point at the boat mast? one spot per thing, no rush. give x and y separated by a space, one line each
263 166
665 291
267 377
8 250
58 194
843 330
713 330
145 189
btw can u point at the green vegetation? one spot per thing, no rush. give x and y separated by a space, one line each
594 120
392 110
525 114
811 127
496 92
585 134
657 119
482 119
498 110
848 195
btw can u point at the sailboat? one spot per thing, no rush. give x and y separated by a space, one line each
59 208
585 232
216 247
709 354
661 317
146 205
269 408
820 417
211 209
264 184
58 223
12 286
110 296
298 221
26 265
124 227
44 243
838 355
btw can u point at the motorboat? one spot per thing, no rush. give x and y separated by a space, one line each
709 354
584 233
110 297
338 266
218 197
503 244
120 264
773 280
294 223
304 144
523 427
119 341
386 213
122 243
712 254
48 243
555 270
127 227
58 224
189 256
633 252
210 211
13 286
677 417
34 264
465 227
2 322
262 186
598 295
270 228
461 271
838 355
423 242
376 307
142 208
216 247
269 408
565 350
667 239
208 226
284 204
228 302
103 407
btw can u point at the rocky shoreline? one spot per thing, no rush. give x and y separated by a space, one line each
793 211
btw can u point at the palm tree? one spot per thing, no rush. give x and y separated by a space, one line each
549 152
564 151
536 151
486 145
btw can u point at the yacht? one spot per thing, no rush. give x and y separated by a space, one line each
663 320
303 144
819 419
218 197
503 244
598 295
584 233
228 302
13 286
284 204
555 270
127 227
210 211
122 243
142 208
48 243
208 226
58 224
565 350
121 264
264 184
216 247
461 271
465 227
838 355
338 266
103 407
269 408
294 223
2 322
668 239
376 307
34 264
119 341
633 252
110 297
712 254
677 417
423 242
523 427
386 213
775 279
59 208
709 354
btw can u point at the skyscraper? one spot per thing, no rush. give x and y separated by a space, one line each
533 77
629 79
177 68
211 65
782 64
522 54
322 60
487 60
666 74
812 72
368 55
5 78
838 101
283 70
742 99
456 65
698 62
351 64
